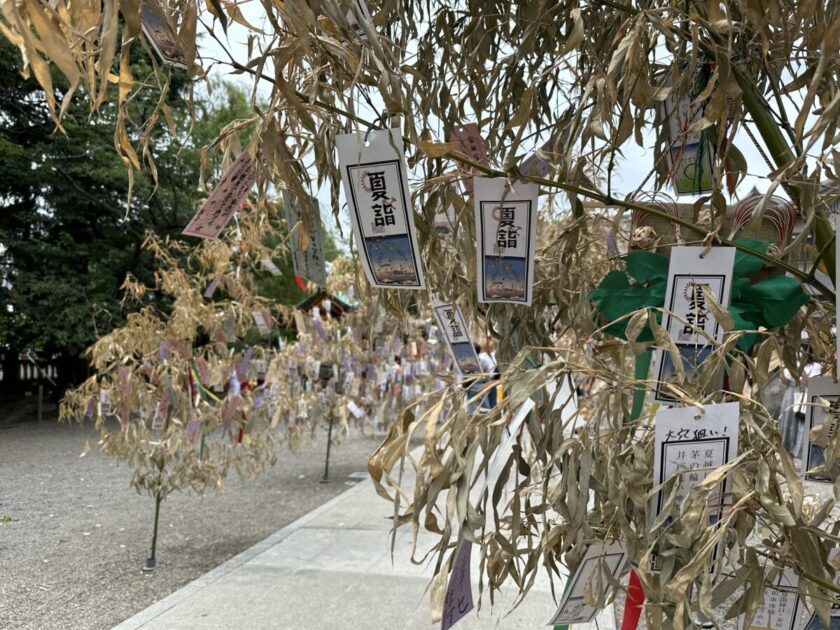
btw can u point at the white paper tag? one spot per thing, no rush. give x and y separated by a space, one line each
837 293
269 266
780 609
217 210
457 335
823 406
353 20
687 318
104 402
502 452
458 601
161 35
692 445
374 175
601 557
309 263
506 230
262 321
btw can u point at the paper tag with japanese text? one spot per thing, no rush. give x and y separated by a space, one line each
506 227
310 263
161 35
457 335
467 140
823 412
374 176
458 601
781 608
215 213
690 155
688 318
692 443
590 581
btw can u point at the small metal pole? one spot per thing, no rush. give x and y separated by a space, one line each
40 402
151 561
326 477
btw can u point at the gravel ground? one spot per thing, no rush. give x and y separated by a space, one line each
73 534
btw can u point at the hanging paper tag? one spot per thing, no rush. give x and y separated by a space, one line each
262 320
159 419
692 445
161 35
373 172
269 266
837 293
308 262
536 166
688 319
104 402
823 414
217 210
600 559
353 19
457 336
690 155
506 226
502 452
780 609
467 140
458 601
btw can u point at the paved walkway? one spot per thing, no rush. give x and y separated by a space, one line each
332 569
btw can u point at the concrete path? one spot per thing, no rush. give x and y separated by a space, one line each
332 569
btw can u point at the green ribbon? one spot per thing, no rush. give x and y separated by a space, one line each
769 303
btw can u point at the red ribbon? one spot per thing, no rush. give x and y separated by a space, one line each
634 604
301 283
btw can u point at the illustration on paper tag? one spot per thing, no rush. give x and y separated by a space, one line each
506 224
161 35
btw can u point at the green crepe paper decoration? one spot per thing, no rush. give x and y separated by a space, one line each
770 303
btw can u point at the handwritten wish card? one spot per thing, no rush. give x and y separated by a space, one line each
781 608
590 581
823 412
457 335
307 253
161 35
458 601
691 444
467 140
506 227
688 318
374 176
216 212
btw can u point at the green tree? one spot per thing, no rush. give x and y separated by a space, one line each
68 233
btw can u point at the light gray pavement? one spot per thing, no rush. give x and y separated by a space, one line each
332 569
